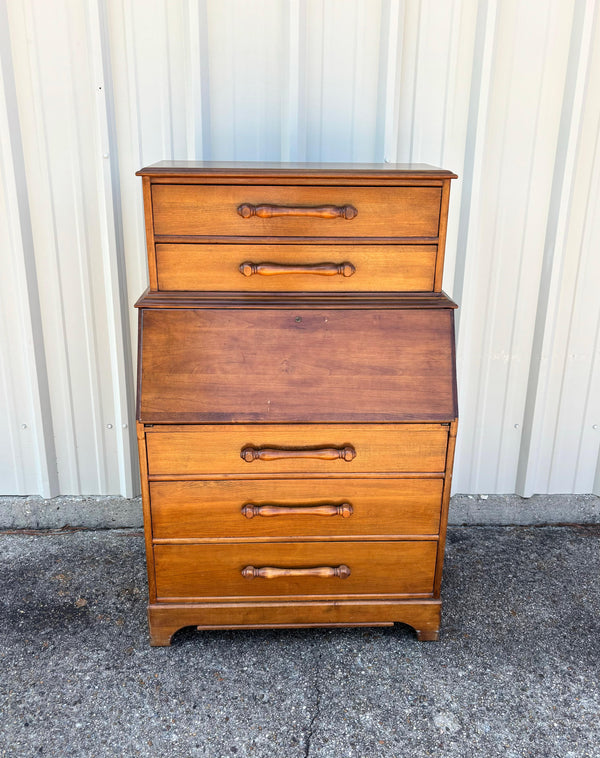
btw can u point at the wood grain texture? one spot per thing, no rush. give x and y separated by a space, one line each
215 449
382 211
147 511
166 618
317 170
439 264
287 180
390 268
376 301
445 505
279 366
215 570
149 225
214 509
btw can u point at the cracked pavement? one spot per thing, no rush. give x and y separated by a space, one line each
515 673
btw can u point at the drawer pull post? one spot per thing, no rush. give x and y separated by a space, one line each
248 268
250 510
250 453
247 210
272 572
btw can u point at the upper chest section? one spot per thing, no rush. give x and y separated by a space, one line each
295 227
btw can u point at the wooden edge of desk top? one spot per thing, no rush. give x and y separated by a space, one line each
293 300
275 169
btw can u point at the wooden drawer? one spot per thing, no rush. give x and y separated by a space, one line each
188 209
290 365
334 508
338 449
296 268
217 570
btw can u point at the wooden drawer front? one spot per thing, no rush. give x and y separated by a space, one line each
188 209
296 268
201 571
295 507
218 449
269 365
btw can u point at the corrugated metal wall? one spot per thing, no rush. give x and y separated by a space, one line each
504 92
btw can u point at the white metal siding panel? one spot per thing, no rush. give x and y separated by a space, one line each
505 244
56 93
27 458
507 94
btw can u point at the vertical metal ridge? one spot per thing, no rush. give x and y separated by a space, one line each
193 97
164 88
88 294
355 80
321 89
204 65
453 141
134 100
302 125
291 96
413 110
449 68
406 90
474 143
512 404
59 380
592 399
577 444
592 211
112 239
128 138
386 137
469 228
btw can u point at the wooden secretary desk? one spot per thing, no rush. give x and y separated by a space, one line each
296 395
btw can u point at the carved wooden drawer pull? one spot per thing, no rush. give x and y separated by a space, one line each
250 453
248 268
246 210
271 572
250 510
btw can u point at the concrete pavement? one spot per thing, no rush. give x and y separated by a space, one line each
515 673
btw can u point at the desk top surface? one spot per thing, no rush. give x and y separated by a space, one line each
247 168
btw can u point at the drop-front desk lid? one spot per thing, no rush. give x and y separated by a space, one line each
384 359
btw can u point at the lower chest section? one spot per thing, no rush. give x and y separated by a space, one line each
314 510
